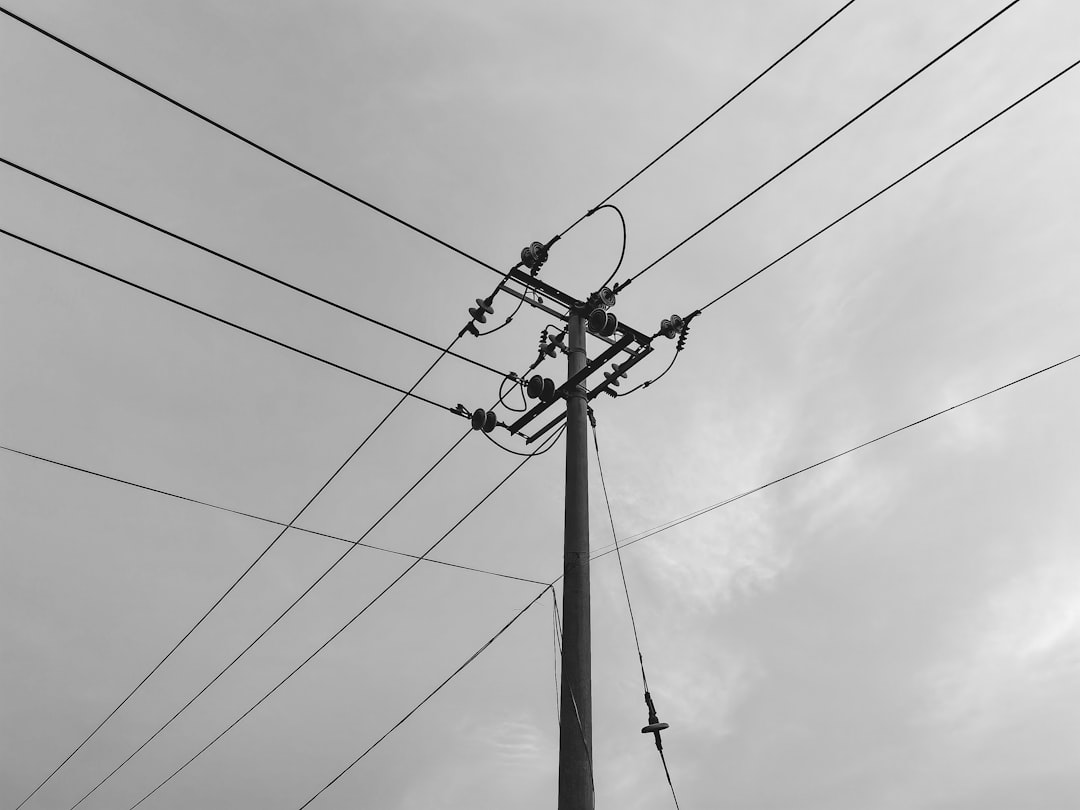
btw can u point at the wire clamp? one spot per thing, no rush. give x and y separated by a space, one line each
655 726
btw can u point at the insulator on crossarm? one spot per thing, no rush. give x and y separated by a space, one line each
542 388
605 298
615 374
482 309
603 323
483 420
534 256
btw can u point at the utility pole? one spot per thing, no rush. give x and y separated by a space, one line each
575 734
629 347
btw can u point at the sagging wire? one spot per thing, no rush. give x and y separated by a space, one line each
654 726
622 253
540 452
683 331
503 394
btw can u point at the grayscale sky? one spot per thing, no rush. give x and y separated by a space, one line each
896 630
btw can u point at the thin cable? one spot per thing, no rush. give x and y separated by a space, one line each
280 616
242 265
667 773
630 609
247 570
622 253
229 323
678 521
819 144
339 631
573 701
268 152
556 656
526 455
261 519
710 116
647 383
618 553
503 393
429 696
894 183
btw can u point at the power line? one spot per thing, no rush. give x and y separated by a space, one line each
229 323
894 183
337 633
268 152
483 647
711 115
818 145
242 265
262 519
281 615
247 570
678 521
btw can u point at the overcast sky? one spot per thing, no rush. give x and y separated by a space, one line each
897 629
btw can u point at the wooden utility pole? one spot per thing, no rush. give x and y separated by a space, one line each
575 735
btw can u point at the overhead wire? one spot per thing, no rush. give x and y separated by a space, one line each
405 395
711 115
526 455
249 142
622 251
893 184
630 610
816 146
340 630
479 651
242 265
261 518
326 572
612 548
864 203
573 700
226 322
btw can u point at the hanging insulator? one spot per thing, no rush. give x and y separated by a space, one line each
667 330
483 306
534 256
603 323
483 420
542 388
597 320
677 322
682 336
548 392
605 298
535 388
655 726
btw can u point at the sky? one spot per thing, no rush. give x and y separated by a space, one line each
899 628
